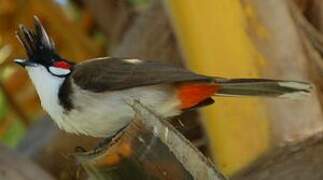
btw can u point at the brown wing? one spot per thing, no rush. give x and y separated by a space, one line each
106 74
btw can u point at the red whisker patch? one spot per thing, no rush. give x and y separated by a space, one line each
62 64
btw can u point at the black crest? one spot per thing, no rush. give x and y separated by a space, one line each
39 46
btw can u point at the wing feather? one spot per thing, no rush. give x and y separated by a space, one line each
107 74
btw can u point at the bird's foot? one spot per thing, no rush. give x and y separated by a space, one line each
102 144
79 149
105 142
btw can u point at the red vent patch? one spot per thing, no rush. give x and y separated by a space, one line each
192 94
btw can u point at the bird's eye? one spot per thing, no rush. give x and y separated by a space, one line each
60 68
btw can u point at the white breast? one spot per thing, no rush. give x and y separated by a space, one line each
99 114
47 87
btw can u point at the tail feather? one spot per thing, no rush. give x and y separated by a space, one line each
263 87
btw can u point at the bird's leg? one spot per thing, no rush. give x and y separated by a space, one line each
79 149
102 143
106 141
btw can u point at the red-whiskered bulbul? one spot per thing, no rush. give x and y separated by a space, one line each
94 97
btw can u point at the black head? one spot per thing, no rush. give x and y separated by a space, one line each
40 48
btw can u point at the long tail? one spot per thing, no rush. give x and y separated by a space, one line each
263 87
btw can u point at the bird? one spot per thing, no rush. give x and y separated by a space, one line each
94 97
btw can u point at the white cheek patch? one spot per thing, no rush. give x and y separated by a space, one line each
59 71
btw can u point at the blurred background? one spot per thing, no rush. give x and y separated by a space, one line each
247 138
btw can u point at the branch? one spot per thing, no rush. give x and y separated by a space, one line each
150 147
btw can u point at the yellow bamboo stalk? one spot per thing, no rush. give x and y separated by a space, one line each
213 38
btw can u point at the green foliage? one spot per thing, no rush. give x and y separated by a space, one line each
3 107
138 2
16 130
15 133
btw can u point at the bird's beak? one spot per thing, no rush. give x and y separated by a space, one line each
24 63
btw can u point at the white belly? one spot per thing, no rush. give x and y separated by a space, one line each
99 114
102 115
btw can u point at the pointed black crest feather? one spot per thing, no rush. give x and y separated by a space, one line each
39 46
